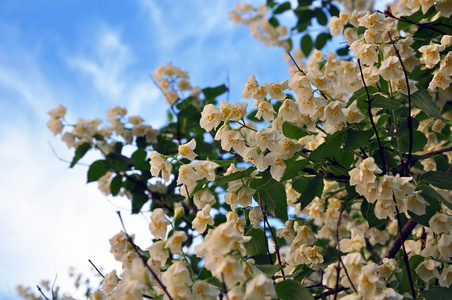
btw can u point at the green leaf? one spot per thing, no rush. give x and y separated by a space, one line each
437 293
292 290
443 180
334 11
115 185
255 245
138 200
306 44
422 100
79 153
404 285
234 176
139 156
356 139
293 167
269 270
313 188
211 93
292 131
383 102
97 169
343 51
321 17
301 271
332 144
419 141
282 8
321 40
273 195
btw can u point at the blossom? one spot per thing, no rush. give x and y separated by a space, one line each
258 287
187 176
202 219
177 275
223 238
276 90
430 54
230 269
203 197
202 290
416 203
440 80
158 254
205 169
210 117
352 113
336 25
255 216
110 282
119 245
57 112
427 270
445 279
186 150
174 242
159 223
250 87
265 110
440 223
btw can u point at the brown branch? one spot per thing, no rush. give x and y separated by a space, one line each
369 111
42 293
330 292
397 243
96 268
129 239
431 26
265 229
405 256
190 200
409 117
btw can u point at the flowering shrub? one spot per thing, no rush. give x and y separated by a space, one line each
333 182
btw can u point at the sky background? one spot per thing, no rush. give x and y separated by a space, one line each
91 56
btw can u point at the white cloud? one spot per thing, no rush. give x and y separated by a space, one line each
107 64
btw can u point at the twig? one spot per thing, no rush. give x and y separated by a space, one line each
96 268
129 239
42 293
388 13
398 242
265 229
53 285
409 117
330 292
369 111
225 289
190 200
405 256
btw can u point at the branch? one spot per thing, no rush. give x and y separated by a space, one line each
265 229
129 239
405 232
96 268
369 111
331 292
42 293
405 256
431 26
409 117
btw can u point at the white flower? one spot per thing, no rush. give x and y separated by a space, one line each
202 219
210 117
276 90
110 282
177 275
256 157
427 270
205 169
391 68
230 269
186 150
355 243
277 165
203 197
255 216
445 246
445 279
258 287
187 176
440 80
159 164
265 110
202 290
440 223
230 138
250 87
158 254
416 203
336 26
352 113
119 245
159 224
174 242
57 112
430 54
223 238
368 281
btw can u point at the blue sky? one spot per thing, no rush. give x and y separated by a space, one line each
91 56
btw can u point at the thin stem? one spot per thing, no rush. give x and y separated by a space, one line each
431 26
190 200
405 256
369 111
278 255
42 293
409 117
96 268
330 292
398 242
129 239
265 229
338 269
